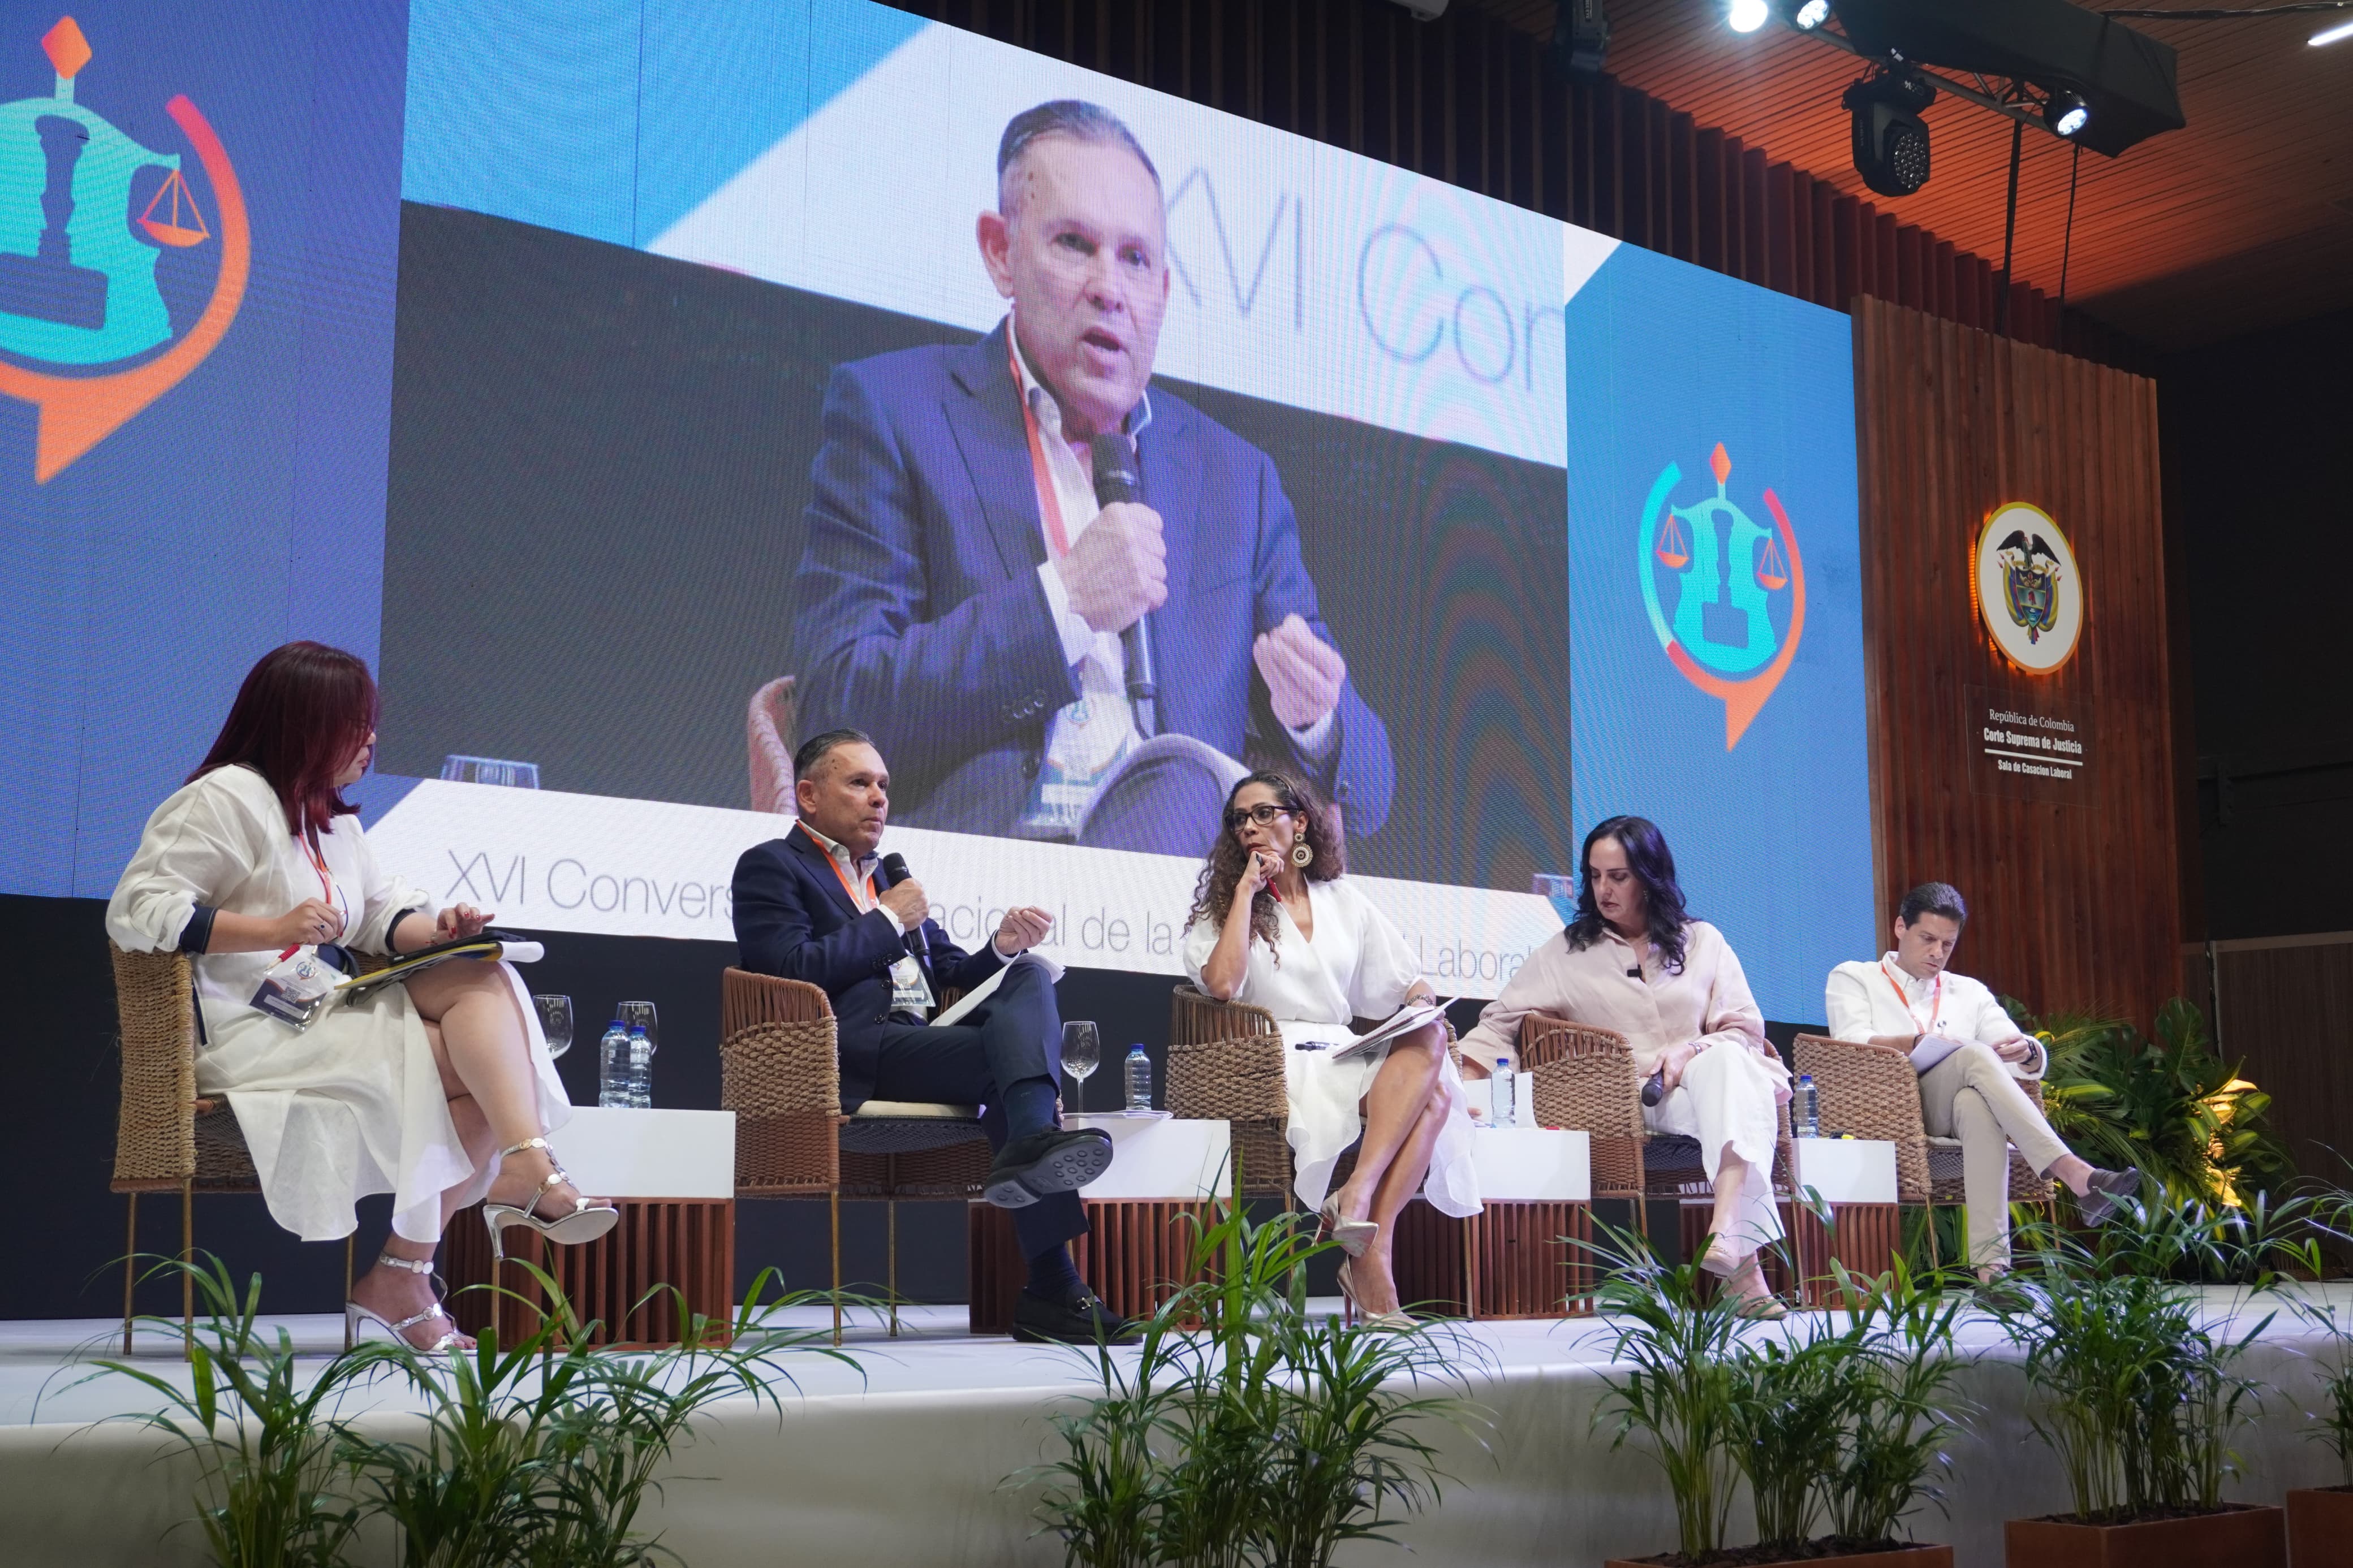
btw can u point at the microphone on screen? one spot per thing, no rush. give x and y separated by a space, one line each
1118 480
894 866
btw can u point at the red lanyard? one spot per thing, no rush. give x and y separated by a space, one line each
841 875
311 853
1050 500
1936 994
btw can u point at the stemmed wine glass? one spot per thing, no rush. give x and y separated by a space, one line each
1081 1053
555 1021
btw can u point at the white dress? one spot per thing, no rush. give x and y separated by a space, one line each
354 1104
1357 965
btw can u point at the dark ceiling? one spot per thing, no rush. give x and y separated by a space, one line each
2241 221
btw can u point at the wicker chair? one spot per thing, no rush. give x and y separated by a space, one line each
166 1138
779 1074
1585 1078
769 727
1872 1091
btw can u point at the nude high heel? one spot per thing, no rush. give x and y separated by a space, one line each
355 1314
1354 1235
589 1219
1391 1320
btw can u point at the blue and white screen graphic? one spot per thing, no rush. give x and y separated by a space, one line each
718 392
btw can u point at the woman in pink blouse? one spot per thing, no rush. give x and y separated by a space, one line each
1636 962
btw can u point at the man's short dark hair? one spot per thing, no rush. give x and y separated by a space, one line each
1934 898
1070 117
817 748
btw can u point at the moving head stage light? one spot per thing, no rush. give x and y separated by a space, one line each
2118 84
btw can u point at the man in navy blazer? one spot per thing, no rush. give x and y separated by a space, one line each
815 905
963 595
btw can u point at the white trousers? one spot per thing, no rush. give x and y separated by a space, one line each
1727 1097
1971 1096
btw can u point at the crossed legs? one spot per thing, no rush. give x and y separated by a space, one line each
482 1046
1403 1112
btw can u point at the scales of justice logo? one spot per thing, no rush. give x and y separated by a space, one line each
86 212
1733 581
2029 590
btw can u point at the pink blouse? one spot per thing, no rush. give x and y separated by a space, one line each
1708 1002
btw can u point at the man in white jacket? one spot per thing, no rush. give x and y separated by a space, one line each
1969 1056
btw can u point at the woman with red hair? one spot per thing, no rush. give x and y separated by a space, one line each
439 1090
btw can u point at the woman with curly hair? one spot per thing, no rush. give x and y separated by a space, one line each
1635 962
1275 925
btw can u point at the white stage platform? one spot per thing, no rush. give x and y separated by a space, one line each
902 1468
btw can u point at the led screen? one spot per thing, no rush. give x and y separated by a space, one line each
681 422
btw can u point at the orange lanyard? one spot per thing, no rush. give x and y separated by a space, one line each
1937 995
841 875
318 859
1050 500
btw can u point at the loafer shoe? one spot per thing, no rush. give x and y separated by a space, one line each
2109 1189
1082 1319
1050 1160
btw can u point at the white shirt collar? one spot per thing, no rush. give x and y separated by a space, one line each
1041 401
1913 986
839 851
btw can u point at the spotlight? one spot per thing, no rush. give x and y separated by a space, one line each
1891 140
1580 39
2330 35
2065 113
1812 14
1747 15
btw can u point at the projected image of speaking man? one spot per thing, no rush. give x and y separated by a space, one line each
1038 656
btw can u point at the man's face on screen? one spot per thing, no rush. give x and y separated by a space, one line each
1082 252
846 797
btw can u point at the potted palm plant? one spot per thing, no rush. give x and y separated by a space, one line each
2320 1518
1826 1423
2137 1396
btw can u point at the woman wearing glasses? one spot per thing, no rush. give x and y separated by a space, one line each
1274 924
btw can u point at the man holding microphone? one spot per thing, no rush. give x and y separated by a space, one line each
820 905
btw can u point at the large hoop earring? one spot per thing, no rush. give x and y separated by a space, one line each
1302 854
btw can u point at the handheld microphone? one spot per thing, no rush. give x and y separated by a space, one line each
1117 478
894 866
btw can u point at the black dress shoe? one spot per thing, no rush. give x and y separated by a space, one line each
1082 1319
1048 1161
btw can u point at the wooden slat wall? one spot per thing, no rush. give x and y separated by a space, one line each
1477 103
2072 906
2286 1014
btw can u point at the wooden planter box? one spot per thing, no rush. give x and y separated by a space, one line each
1905 1557
2242 1537
2320 1527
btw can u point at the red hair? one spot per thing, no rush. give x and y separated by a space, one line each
300 717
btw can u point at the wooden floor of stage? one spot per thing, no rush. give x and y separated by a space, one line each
900 1461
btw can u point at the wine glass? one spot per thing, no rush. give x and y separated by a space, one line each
638 1015
1081 1053
555 1021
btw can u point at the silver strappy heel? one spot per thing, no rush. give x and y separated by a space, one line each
589 1219
355 1314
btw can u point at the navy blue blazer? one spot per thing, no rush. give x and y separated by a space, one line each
921 620
793 918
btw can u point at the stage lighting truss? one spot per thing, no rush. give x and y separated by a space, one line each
2059 110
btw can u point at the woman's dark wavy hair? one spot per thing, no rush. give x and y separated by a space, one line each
303 712
1213 895
1653 865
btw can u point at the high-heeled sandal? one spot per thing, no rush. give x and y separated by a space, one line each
355 1315
589 1219
1354 1235
1398 1321
1721 1260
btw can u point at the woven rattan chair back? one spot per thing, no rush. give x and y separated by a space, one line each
769 723
1226 1064
1584 1079
778 1073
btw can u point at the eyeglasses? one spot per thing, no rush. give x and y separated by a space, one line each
1265 814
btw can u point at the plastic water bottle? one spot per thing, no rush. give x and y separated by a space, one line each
1139 1080
1506 1110
1807 1112
642 1069
612 1067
